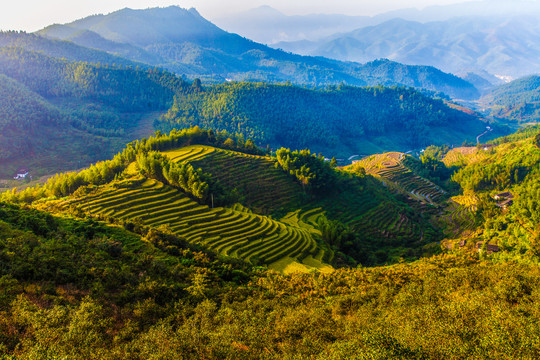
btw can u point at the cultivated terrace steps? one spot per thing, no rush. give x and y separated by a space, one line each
256 178
394 174
231 231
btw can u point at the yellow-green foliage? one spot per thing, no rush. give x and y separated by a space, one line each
508 164
465 200
464 155
447 307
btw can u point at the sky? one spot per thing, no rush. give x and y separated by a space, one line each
32 15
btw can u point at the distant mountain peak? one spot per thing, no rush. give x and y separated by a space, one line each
267 9
194 11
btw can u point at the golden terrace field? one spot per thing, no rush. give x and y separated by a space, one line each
234 231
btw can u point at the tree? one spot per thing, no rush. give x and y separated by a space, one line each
229 143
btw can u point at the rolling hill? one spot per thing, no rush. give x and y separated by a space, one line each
104 291
116 104
123 262
276 212
59 115
517 102
33 134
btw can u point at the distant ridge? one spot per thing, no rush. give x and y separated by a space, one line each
504 46
184 42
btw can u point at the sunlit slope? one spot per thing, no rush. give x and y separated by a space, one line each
393 173
366 208
269 219
229 231
261 186
464 155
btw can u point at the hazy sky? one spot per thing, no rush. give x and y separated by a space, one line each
31 15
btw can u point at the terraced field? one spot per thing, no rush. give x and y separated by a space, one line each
394 174
463 155
230 231
460 216
387 222
263 187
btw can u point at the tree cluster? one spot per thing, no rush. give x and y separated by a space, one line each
312 171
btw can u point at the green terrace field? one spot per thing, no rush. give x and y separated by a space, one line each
364 209
262 187
256 211
229 231
389 168
460 216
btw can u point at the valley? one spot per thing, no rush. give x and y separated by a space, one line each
172 190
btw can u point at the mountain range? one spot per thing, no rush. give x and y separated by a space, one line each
502 46
491 40
183 42
270 26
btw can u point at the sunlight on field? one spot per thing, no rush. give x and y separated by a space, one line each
288 265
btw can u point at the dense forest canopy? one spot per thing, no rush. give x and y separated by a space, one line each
340 119
60 115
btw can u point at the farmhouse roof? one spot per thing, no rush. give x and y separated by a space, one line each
506 194
489 247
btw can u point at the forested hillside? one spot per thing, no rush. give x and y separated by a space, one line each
517 101
59 49
510 220
58 115
113 277
338 120
292 210
81 289
115 105
38 136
